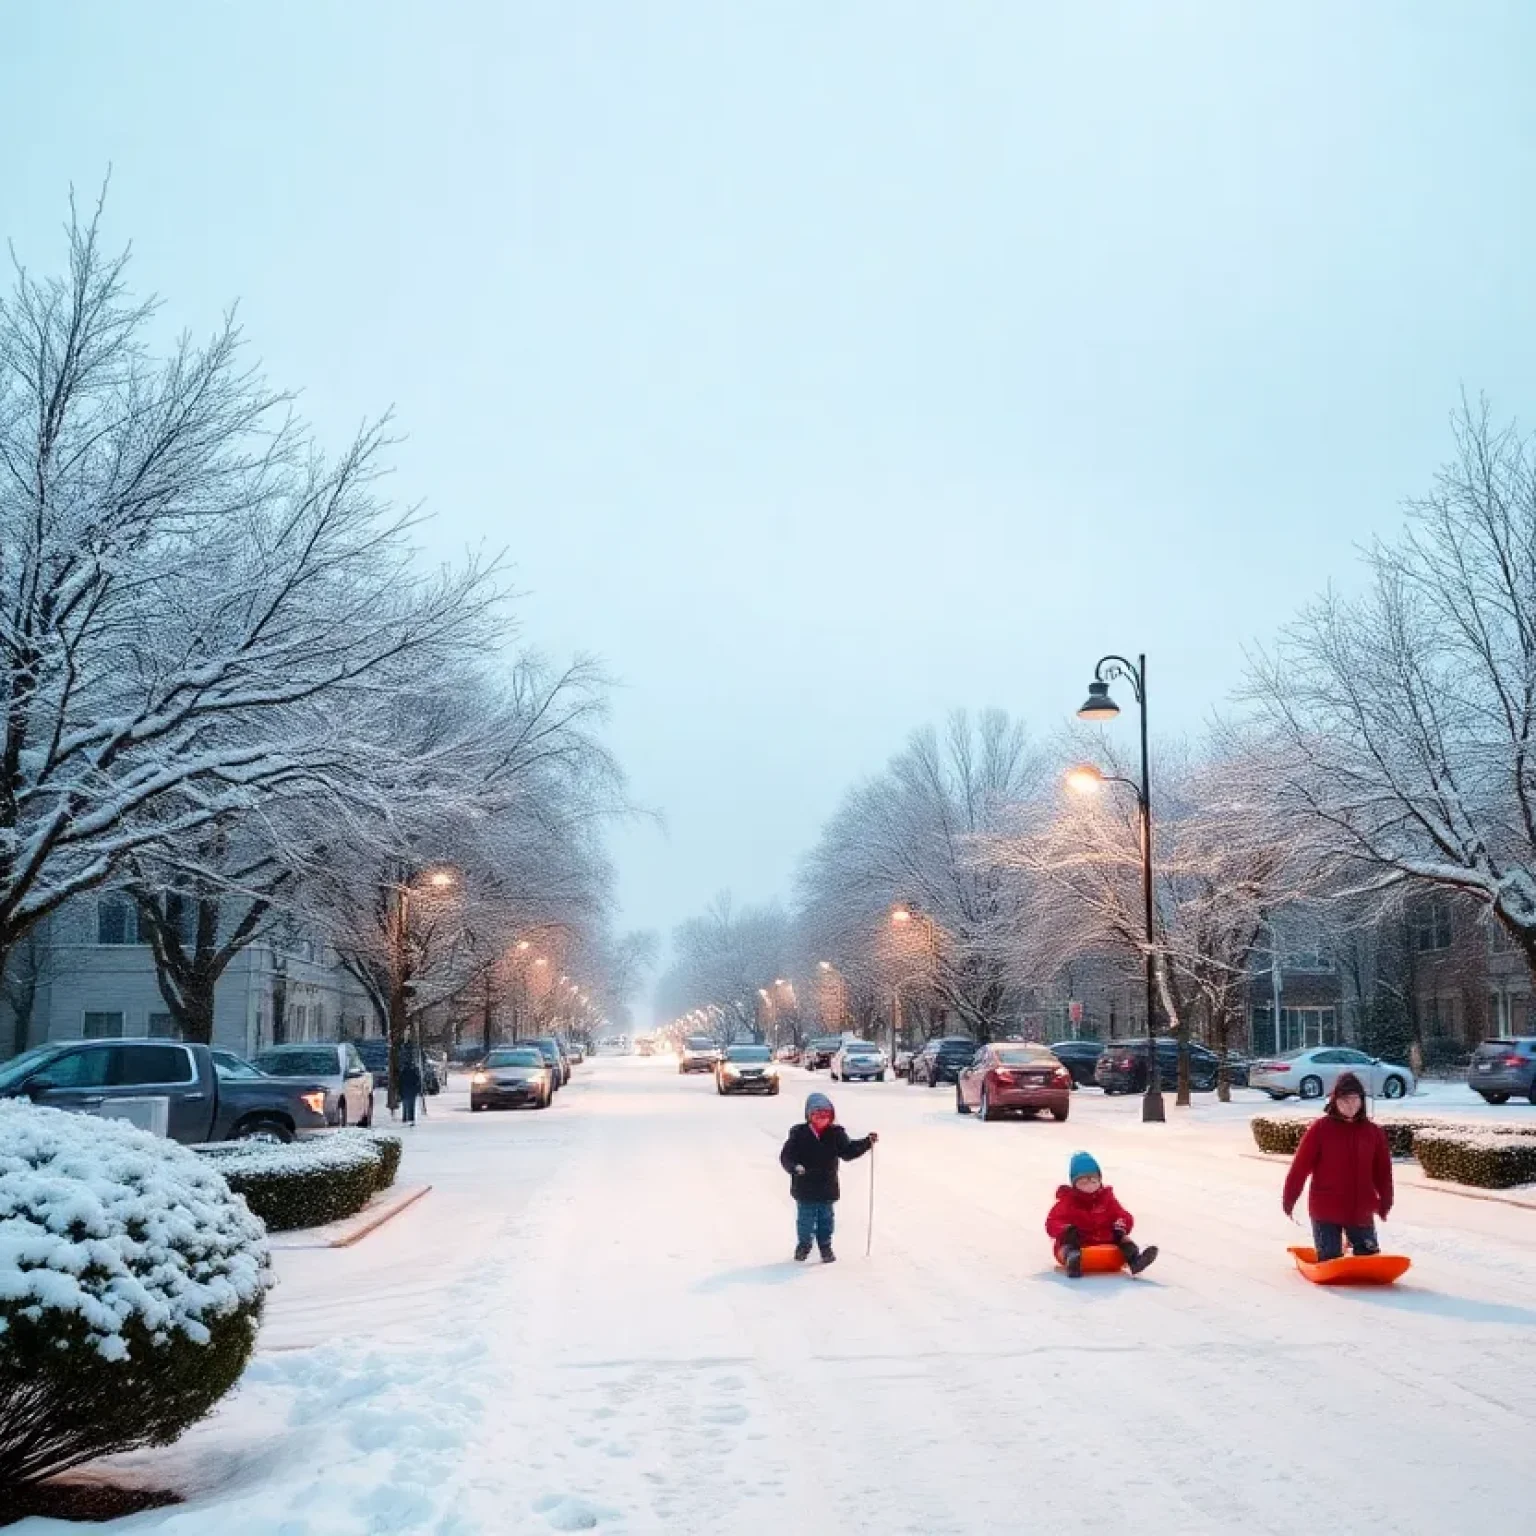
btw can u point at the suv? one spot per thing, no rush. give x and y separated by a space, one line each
1502 1067
818 1053
1123 1066
942 1060
1079 1057
549 1048
699 1054
374 1049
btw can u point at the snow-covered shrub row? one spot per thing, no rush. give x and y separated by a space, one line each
1283 1133
1484 1159
309 1183
131 1286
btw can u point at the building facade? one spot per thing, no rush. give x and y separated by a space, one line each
86 974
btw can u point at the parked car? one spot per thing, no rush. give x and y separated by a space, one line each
375 1054
577 1051
334 1063
901 1062
789 1054
819 1052
942 1060
468 1056
1122 1068
1311 1074
511 1075
1238 1068
1014 1079
859 1061
207 1099
437 1065
699 1054
1503 1067
1079 1057
560 1068
746 1069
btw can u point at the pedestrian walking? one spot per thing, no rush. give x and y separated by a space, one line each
410 1086
810 1157
1349 1161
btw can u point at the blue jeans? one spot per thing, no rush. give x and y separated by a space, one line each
1328 1239
813 1219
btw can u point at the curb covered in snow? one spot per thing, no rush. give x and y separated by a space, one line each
1405 1174
343 1234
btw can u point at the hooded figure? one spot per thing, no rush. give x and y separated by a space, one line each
1348 1159
815 1148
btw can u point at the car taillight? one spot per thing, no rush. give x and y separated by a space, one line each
1513 1061
1002 1074
1062 1075
1274 1066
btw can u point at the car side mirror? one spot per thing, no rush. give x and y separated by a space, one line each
38 1086
355 1071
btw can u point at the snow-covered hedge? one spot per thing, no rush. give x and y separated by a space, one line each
131 1286
309 1183
1484 1159
1283 1133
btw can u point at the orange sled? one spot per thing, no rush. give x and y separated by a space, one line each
1099 1259
1352 1269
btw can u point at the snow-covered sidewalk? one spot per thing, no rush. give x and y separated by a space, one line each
592 1323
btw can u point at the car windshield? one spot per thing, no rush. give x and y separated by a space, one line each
23 1065
698 1043
957 1047
519 1058
233 1068
748 1053
1023 1055
860 1048
299 1061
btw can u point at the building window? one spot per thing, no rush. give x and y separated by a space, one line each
117 920
103 1026
1316 958
162 1026
1432 926
1302 1028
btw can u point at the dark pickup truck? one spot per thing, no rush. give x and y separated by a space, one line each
179 1090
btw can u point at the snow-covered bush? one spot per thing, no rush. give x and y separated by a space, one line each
1485 1159
131 1286
1283 1133
310 1183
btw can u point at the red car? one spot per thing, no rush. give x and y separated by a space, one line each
1006 1078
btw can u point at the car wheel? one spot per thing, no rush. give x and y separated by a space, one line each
1495 1098
1394 1088
260 1129
881 1078
1061 1114
475 1108
341 1115
961 1107
987 1112
932 1081
366 1123
1311 1087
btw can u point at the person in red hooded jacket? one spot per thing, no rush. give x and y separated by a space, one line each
1348 1159
1087 1213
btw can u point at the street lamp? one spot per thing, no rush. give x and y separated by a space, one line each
1100 708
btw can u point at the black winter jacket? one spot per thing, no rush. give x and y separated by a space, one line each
819 1156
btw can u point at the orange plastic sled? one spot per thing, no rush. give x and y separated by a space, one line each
1099 1259
1352 1269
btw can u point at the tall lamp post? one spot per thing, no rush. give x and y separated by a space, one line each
1101 708
901 916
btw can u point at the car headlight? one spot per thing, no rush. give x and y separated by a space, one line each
732 1070
314 1102
479 1079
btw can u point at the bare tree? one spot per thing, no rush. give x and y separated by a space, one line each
189 589
904 845
727 963
1402 722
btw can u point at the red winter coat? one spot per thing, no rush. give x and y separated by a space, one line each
1350 1165
1093 1215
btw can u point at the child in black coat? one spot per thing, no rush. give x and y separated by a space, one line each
810 1157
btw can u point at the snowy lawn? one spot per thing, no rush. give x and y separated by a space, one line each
593 1323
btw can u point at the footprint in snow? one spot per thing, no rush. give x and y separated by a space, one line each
563 1512
726 1416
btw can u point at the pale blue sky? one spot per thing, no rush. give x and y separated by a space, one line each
827 366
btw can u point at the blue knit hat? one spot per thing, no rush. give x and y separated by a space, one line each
818 1101
1081 1166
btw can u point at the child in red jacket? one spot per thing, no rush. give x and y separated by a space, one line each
1347 1158
1086 1212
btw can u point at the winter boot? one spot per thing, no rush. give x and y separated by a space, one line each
1138 1259
827 1256
1072 1253
802 1252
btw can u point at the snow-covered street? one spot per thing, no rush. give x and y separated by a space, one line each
593 1323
